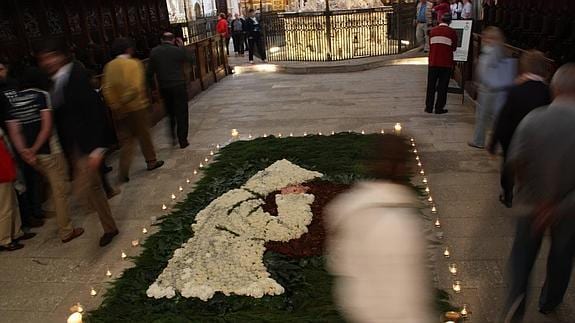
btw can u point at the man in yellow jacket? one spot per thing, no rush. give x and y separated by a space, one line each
124 90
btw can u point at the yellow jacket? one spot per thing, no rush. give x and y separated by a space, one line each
124 87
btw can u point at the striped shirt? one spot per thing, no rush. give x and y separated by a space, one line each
443 42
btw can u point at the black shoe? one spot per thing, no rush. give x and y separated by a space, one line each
506 201
123 179
428 110
441 111
26 236
108 237
33 223
546 310
12 246
184 144
156 164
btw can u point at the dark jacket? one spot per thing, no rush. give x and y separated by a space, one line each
167 64
6 86
521 100
238 30
251 28
81 119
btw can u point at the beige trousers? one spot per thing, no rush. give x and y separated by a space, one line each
10 225
55 169
134 126
88 183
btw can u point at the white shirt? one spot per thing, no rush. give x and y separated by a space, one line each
60 80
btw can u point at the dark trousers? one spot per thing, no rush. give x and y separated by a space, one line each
437 81
176 104
30 201
255 40
507 179
228 46
238 42
523 255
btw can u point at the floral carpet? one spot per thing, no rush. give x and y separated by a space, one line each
302 288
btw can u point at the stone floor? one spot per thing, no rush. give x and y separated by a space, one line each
40 282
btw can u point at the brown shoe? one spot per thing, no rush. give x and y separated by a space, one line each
75 234
155 164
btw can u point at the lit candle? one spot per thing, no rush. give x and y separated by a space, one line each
265 135
135 243
93 292
457 286
218 146
413 144
333 133
144 230
124 256
108 273
415 151
173 196
422 172
412 140
319 133
211 152
188 181
206 159
363 132
280 135
291 134
424 180
382 131
465 311
419 164
446 253
164 207
397 128
417 158
250 136
201 165
180 189
427 190
430 199
305 134
433 209
75 318
235 133
437 223
195 172
453 269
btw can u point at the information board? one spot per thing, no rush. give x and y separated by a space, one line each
463 30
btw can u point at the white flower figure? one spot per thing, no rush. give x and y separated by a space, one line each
226 251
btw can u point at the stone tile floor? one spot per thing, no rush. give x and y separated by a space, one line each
40 282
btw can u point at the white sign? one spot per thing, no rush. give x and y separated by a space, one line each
463 30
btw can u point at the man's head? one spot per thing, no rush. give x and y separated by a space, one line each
168 38
237 15
251 13
123 46
222 15
3 71
52 55
447 18
563 83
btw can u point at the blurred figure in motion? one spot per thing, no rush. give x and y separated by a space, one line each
492 92
124 88
542 157
80 121
376 249
530 92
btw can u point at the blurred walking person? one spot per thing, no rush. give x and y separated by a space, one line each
541 158
423 23
255 39
166 65
30 125
238 35
80 120
530 93
443 42
492 89
376 247
124 89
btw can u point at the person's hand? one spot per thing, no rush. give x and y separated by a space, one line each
29 156
544 217
94 162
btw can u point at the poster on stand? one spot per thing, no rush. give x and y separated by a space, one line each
463 30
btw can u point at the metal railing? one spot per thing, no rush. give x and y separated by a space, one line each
339 35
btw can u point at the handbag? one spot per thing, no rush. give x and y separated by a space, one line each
7 166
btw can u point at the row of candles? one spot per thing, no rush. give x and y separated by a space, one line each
77 309
452 267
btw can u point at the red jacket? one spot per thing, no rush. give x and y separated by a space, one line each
443 42
222 28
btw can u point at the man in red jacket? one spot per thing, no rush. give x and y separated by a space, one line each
443 42
223 29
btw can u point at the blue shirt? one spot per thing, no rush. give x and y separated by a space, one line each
421 16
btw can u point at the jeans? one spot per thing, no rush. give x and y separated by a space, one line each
238 42
489 104
437 80
523 255
422 36
176 104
